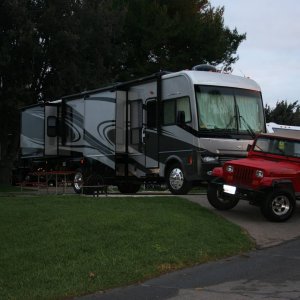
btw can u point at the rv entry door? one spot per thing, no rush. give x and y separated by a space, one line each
151 134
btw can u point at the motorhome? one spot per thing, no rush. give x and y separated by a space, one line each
167 127
274 127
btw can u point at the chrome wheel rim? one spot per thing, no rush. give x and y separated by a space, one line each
78 181
280 205
176 179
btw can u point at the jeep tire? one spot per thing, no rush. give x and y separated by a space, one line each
220 200
279 206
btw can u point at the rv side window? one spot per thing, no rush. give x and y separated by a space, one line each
169 112
52 126
172 107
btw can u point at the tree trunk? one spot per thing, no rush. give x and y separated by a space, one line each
8 155
6 172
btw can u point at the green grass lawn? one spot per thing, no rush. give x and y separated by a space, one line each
55 247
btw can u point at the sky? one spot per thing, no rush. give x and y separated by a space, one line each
271 53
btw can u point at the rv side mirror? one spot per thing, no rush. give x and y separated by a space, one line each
249 147
181 117
52 126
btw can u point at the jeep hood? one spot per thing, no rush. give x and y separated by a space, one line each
273 166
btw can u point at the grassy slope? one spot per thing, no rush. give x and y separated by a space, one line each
55 247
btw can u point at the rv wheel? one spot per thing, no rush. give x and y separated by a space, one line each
219 200
78 181
177 183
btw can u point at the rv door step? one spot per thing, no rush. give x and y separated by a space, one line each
154 170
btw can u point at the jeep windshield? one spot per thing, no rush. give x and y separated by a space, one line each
224 111
277 146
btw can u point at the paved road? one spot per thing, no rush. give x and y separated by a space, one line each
270 273
249 217
267 273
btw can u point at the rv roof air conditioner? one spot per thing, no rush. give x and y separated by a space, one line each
204 67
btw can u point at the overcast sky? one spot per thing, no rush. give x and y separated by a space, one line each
271 53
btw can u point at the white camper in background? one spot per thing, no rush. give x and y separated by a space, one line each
168 127
273 127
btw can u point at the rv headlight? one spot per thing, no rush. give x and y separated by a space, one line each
229 168
210 158
259 174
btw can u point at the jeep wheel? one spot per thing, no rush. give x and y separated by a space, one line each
176 181
220 200
279 206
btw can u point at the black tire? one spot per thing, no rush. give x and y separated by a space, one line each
279 206
78 181
176 180
128 187
220 200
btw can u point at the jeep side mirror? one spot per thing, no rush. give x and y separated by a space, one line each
180 118
249 147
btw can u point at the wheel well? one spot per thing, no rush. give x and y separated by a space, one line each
171 162
285 186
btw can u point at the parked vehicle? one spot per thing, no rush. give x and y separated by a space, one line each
274 127
269 177
168 127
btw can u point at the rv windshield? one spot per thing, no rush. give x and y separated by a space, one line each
229 110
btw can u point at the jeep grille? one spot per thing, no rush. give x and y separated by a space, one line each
243 175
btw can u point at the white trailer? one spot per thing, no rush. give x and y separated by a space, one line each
274 127
168 127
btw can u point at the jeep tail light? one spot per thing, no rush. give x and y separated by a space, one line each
259 174
229 168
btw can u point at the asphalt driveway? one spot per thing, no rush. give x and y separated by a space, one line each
249 217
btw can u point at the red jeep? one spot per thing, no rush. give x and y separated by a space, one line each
269 177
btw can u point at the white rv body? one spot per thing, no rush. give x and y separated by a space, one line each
273 127
167 127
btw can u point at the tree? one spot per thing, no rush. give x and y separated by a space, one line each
175 35
50 48
284 113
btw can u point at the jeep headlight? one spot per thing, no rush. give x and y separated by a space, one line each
210 159
259 174
229 168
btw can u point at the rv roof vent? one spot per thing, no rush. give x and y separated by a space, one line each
205 67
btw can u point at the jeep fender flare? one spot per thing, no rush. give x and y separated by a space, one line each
279 185
283 185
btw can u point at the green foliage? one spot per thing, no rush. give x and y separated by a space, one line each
60 247
49 49
284 113
175 35
52 48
